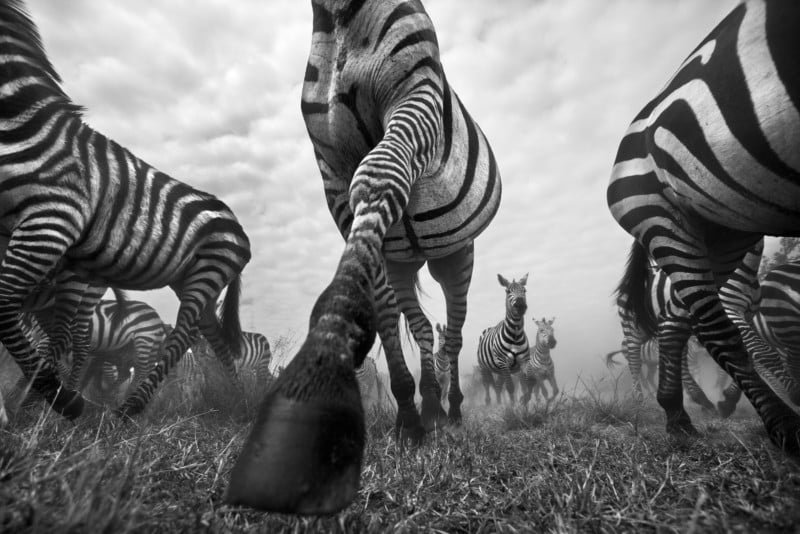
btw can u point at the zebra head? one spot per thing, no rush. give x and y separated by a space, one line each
545 336
516 301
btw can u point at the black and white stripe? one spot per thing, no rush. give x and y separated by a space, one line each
706 169
106 216
441 361
503 349
409 178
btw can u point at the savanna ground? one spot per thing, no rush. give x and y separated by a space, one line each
586 464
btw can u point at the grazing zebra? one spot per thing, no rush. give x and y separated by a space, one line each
253 358
777 320
647 308
75 201
503 348
441 362
706 169
409 178
539 367
122 336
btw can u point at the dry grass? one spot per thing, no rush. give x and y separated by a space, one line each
583 464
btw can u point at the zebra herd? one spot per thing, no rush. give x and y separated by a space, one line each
704 171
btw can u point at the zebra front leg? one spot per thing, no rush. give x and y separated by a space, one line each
553 386
691 386
488 384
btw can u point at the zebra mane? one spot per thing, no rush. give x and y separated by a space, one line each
17 23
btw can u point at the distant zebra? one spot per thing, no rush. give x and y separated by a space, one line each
503 349
410 179
253 358
539 367
441 362
707 168
777 320
75 201
646 307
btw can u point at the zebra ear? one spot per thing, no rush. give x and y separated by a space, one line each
503 281
524 279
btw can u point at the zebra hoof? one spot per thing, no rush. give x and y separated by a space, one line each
128 411
726 407
68 403
300 457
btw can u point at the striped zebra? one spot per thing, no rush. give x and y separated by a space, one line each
75 201
252 359
539 367
777 321
409 178
646 307
503 349
441 362
706 169
122 336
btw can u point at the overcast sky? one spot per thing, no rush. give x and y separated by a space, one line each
209 92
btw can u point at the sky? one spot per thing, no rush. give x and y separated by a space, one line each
208 91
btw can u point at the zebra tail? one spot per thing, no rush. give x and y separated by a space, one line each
229 316
121 309
633 285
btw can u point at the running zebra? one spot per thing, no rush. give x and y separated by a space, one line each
539 367
441 362
75 201
646 308
706 169
777 320
503 349
409 178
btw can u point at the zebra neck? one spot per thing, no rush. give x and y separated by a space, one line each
513 326
541 353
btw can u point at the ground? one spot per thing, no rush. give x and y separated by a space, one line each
587 463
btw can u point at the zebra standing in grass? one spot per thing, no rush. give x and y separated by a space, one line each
503 348
409 178
441 362
75 201
647 308
539 367
706 169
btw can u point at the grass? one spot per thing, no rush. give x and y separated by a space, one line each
582 464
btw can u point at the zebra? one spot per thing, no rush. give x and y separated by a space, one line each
705 170
539 367
107 217
123 336
503 349
776 319
441 362
253 358
409 178
647 308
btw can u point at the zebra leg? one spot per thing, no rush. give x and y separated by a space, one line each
633 353
673 334
509 380
553 386
691 386
487 379
22 269
454 274
81 324
402 279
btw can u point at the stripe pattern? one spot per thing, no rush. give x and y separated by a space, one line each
540 367
409 179
107 216
441 361
503 349
707 168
